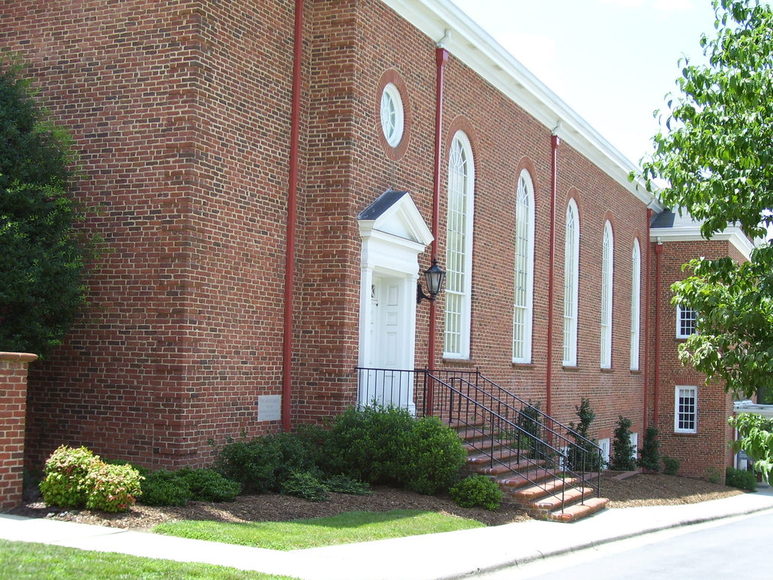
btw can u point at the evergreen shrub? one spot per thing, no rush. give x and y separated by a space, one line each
741 479
477 491
623 453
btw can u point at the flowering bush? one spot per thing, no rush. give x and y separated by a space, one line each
112 488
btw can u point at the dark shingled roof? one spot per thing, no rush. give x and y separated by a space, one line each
383 203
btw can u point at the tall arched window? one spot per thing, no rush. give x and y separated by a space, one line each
607 281
571 282
524 269
635 304
461 179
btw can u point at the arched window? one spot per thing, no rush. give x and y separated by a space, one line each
461 179
607 278
524 269
635 304
571 282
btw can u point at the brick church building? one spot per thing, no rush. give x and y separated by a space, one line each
271 178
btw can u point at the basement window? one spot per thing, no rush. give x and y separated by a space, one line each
686 410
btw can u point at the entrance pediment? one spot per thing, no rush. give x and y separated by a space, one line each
396 214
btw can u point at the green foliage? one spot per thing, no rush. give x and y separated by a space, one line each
650 453
75 477
112 488
305 485
741 479
261 465
715 156
65 484
344 484
389 446
622 451
209 485
713 475
756 439
42 262
477 491
671 465
584 455
165 488
530 421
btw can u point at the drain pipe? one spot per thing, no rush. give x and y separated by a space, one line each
292 218
656 373
645 372
441 58
555 141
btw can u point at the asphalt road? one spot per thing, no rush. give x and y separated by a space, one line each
738 548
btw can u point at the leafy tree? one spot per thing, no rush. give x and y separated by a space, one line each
41 263
756 439
716 157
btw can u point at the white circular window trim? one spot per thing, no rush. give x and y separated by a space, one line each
392 115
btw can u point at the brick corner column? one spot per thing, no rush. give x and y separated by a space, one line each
13 410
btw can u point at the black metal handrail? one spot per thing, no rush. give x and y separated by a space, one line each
501 426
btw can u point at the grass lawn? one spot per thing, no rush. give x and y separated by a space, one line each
27 561
344 528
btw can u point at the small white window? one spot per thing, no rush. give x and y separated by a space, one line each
523 285
635 304
571 282
686 319
686 410
605 448
607 281
392 115
634 439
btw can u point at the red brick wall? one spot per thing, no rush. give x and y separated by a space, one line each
13 406
181 114
706 452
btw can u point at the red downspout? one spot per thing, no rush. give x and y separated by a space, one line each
554 143
656 377
292 214
441 58
645 377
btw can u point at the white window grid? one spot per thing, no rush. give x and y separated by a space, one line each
686 320
459 249
524 269
607 278
605 446
635 304
634 439
571 283
392 115
685 409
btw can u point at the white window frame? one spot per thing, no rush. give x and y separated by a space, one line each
459 232
680 392
523 276
682 315
606 447
607 291
571 282
392 115
635 304
634 440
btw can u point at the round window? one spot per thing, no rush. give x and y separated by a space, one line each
392 115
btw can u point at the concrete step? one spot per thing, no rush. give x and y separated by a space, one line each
527 477
525 495
552 502
501 453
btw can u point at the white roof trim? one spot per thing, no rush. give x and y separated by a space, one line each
477 49
732 234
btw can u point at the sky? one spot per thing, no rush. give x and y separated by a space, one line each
612 61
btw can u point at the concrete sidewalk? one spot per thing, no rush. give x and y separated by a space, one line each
434 556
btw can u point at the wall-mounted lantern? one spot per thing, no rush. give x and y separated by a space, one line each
433 277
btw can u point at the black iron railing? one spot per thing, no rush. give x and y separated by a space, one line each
507 430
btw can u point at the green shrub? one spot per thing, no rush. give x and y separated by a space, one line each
65 483
584 455
209 485
477 491
370 444
305 485
530 420
741 479
261 465
112 488
435 457
623 453
344 484
165 488
670 465
650 453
